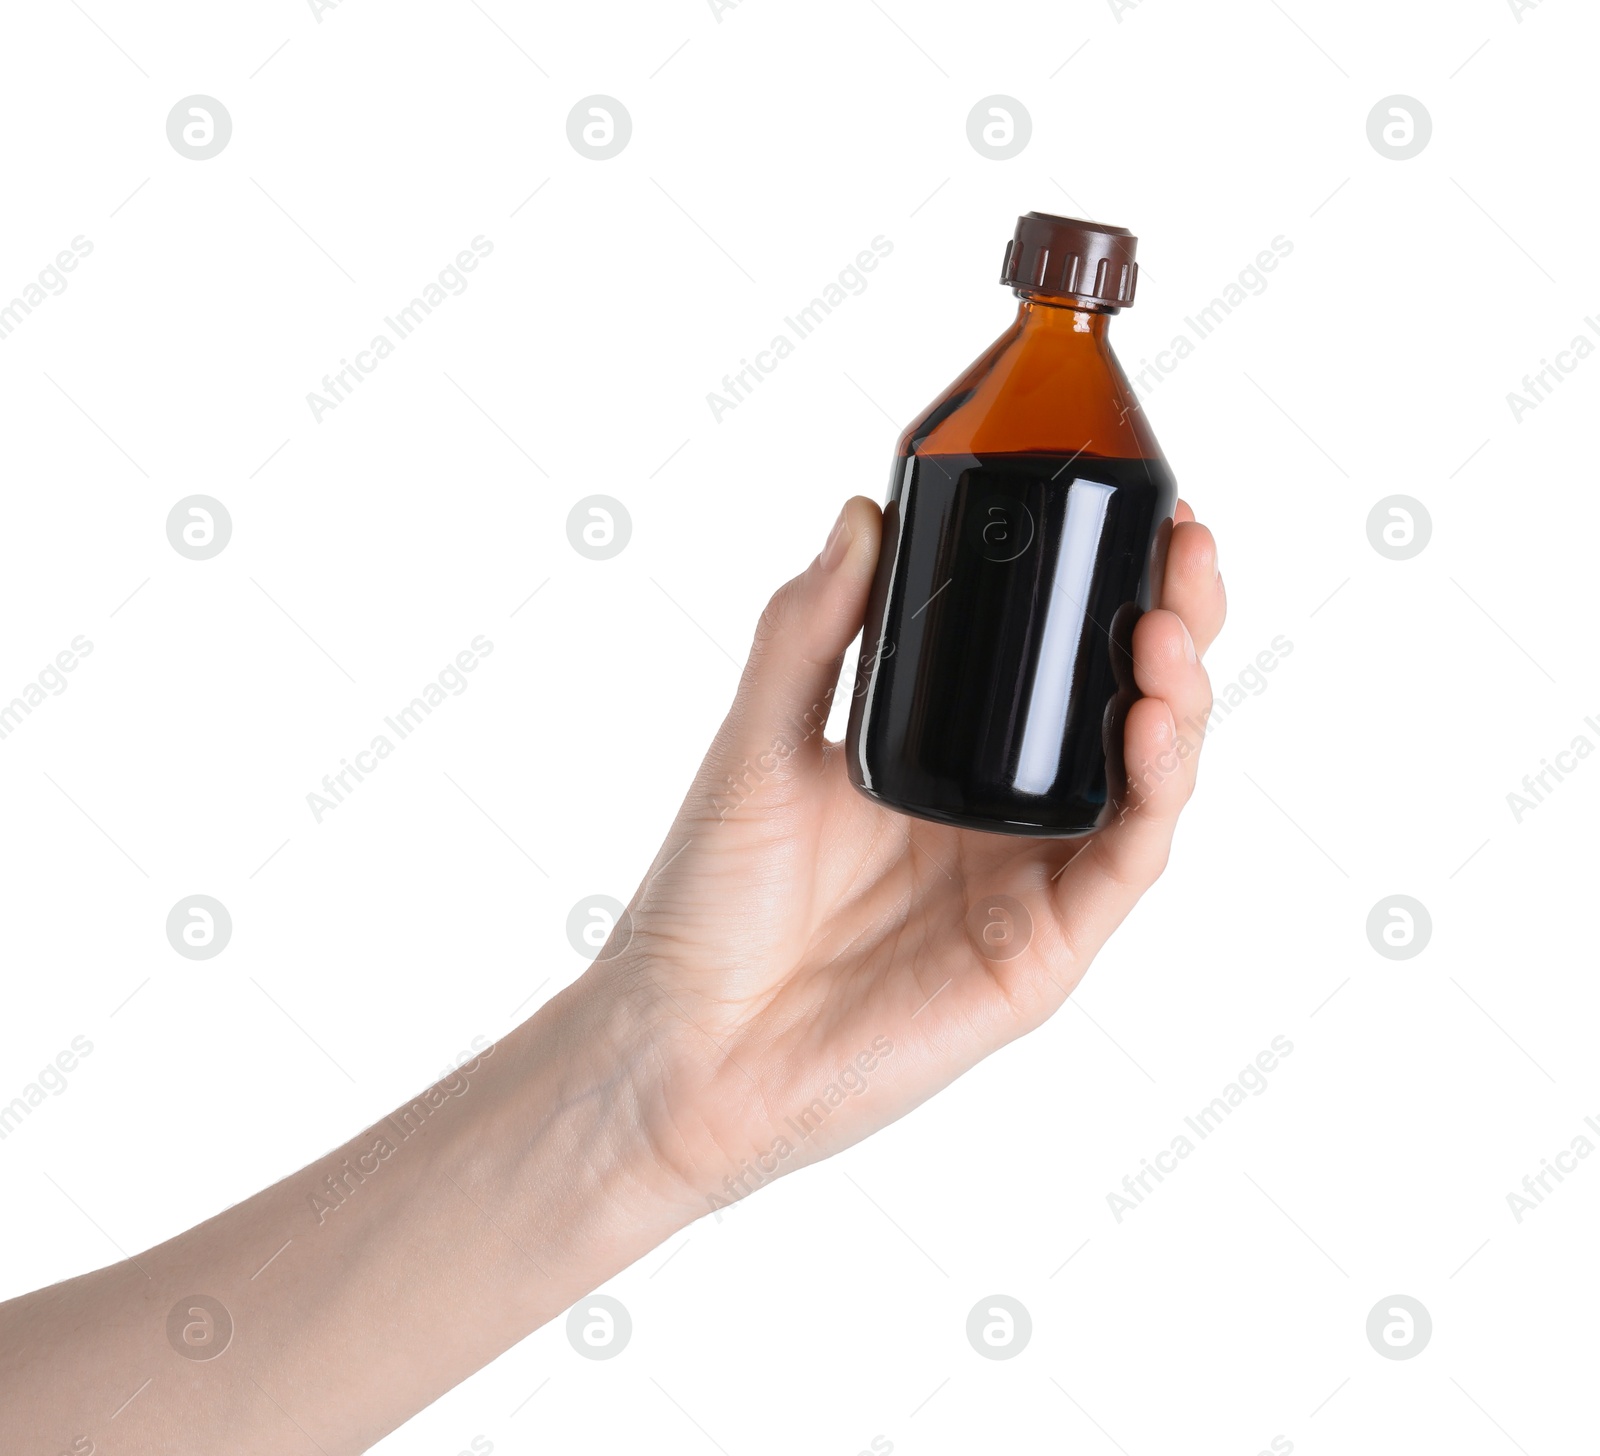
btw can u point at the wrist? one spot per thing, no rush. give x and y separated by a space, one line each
569 1149
688 1094
706 1099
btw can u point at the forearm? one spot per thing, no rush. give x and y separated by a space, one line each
364 1286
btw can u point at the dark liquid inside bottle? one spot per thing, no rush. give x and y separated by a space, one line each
995 664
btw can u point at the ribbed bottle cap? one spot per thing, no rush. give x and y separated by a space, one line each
1066 255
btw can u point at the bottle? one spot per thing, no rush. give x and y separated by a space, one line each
1026 529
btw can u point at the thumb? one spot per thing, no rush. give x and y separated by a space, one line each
782 704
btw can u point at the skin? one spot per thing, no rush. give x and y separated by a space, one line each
792 937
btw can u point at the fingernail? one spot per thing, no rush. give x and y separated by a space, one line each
838 544
1188 643
1216 565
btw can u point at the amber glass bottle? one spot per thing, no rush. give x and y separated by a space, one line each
1025 531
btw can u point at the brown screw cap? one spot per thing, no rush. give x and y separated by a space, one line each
1065 255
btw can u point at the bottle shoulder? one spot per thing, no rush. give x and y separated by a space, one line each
1039 388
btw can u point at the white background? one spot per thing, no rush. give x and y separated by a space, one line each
770 146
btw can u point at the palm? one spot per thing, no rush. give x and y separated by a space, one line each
784 936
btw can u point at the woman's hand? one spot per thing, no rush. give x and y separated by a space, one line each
799 968
802 966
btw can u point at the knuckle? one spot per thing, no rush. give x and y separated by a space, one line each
774 618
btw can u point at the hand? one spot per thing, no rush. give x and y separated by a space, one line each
798 969
800 966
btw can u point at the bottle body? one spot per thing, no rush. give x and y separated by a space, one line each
1024 533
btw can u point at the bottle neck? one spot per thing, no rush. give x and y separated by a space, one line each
1062 314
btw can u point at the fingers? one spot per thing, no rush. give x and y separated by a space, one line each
1192 586
1161 745
784 696
1166 665
1103 881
